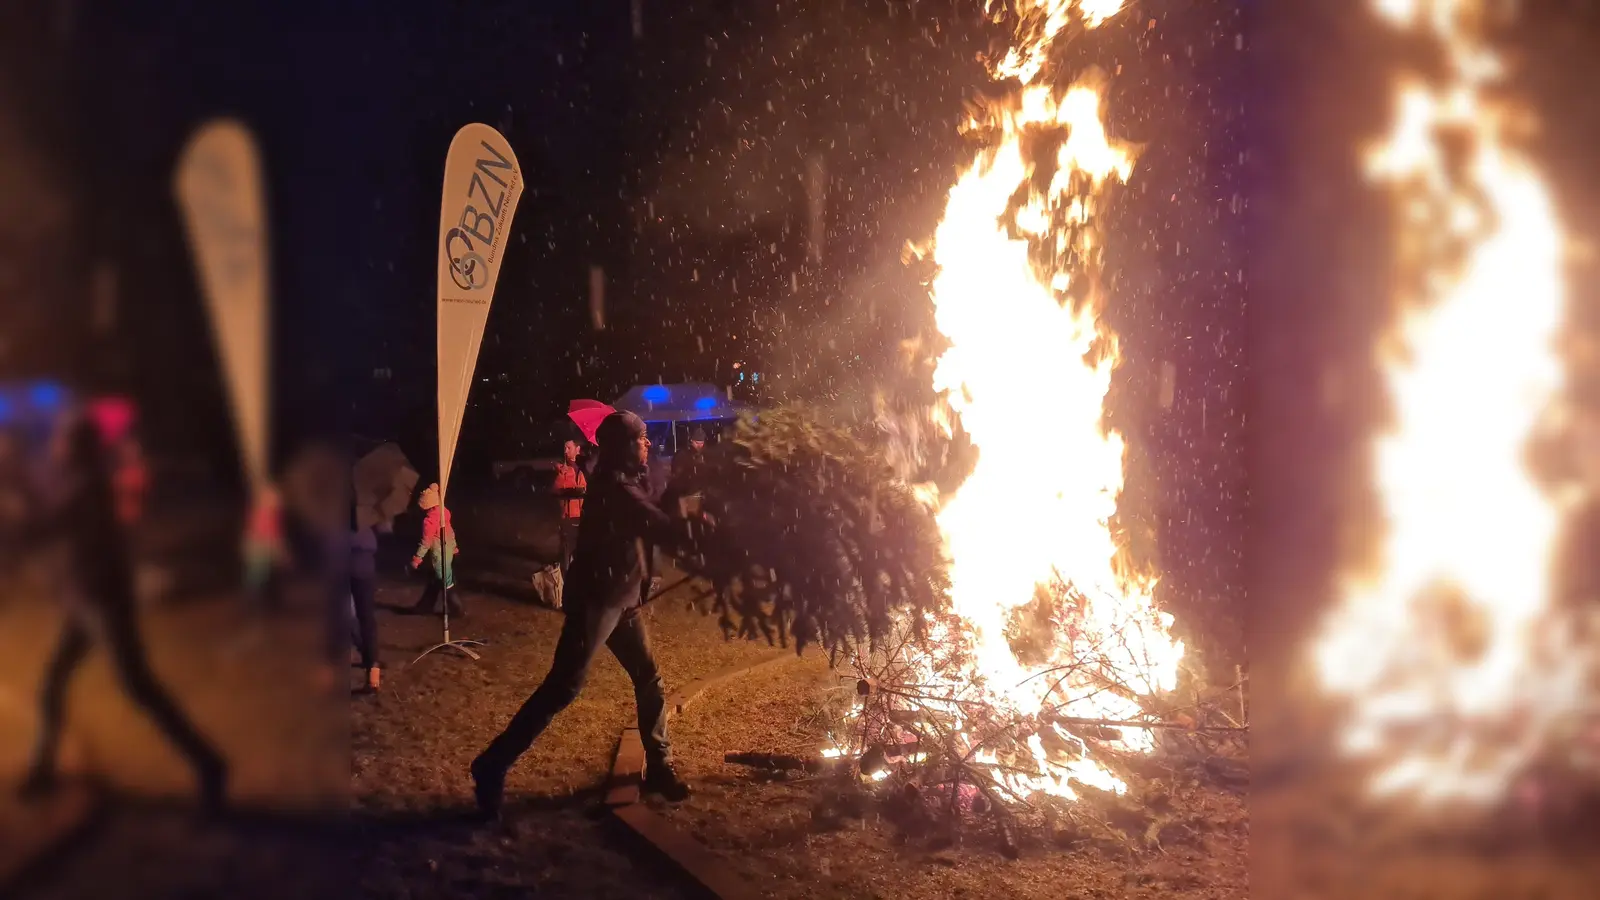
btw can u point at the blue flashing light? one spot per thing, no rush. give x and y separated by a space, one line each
657 393
706 403
47 396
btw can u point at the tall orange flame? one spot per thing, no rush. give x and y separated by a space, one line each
1446 655
1027 374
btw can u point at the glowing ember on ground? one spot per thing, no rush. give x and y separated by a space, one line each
1448 653
1027 372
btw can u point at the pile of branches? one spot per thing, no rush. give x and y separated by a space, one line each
814 539
932 741
937 756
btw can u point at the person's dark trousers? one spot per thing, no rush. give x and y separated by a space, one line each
585 631
266 591
569 542
364 590
118 630
429 603
332 570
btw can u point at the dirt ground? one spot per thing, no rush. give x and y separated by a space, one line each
767 830
403 777
367 796
412 744
1321 835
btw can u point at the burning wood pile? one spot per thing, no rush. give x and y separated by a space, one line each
1065 717
941 756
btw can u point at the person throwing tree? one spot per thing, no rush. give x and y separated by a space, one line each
604 591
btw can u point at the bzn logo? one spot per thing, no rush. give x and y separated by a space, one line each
468 269
215 201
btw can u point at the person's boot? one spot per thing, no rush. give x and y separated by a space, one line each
661 779
213 773
488 787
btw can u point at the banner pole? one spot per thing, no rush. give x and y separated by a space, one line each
482 184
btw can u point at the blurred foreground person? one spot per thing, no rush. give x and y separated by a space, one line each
571 483
439 547
604 591
316 489
13 496
94 579
364 594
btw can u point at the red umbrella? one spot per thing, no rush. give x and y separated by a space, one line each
587 415
113 416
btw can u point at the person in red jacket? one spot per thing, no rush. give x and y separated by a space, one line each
570 487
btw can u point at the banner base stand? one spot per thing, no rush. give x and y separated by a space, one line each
453 645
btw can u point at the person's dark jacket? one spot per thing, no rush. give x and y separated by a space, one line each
78 510
610 564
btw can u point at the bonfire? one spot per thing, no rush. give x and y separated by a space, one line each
1457 668
1006 656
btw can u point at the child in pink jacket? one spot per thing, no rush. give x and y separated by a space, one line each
438 546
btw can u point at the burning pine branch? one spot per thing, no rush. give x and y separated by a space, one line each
938 755
815 539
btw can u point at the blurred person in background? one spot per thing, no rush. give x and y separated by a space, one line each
686 465
364 594
132 480
13 500
439 548
697 439
571 483
315 488
76 518
266 556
